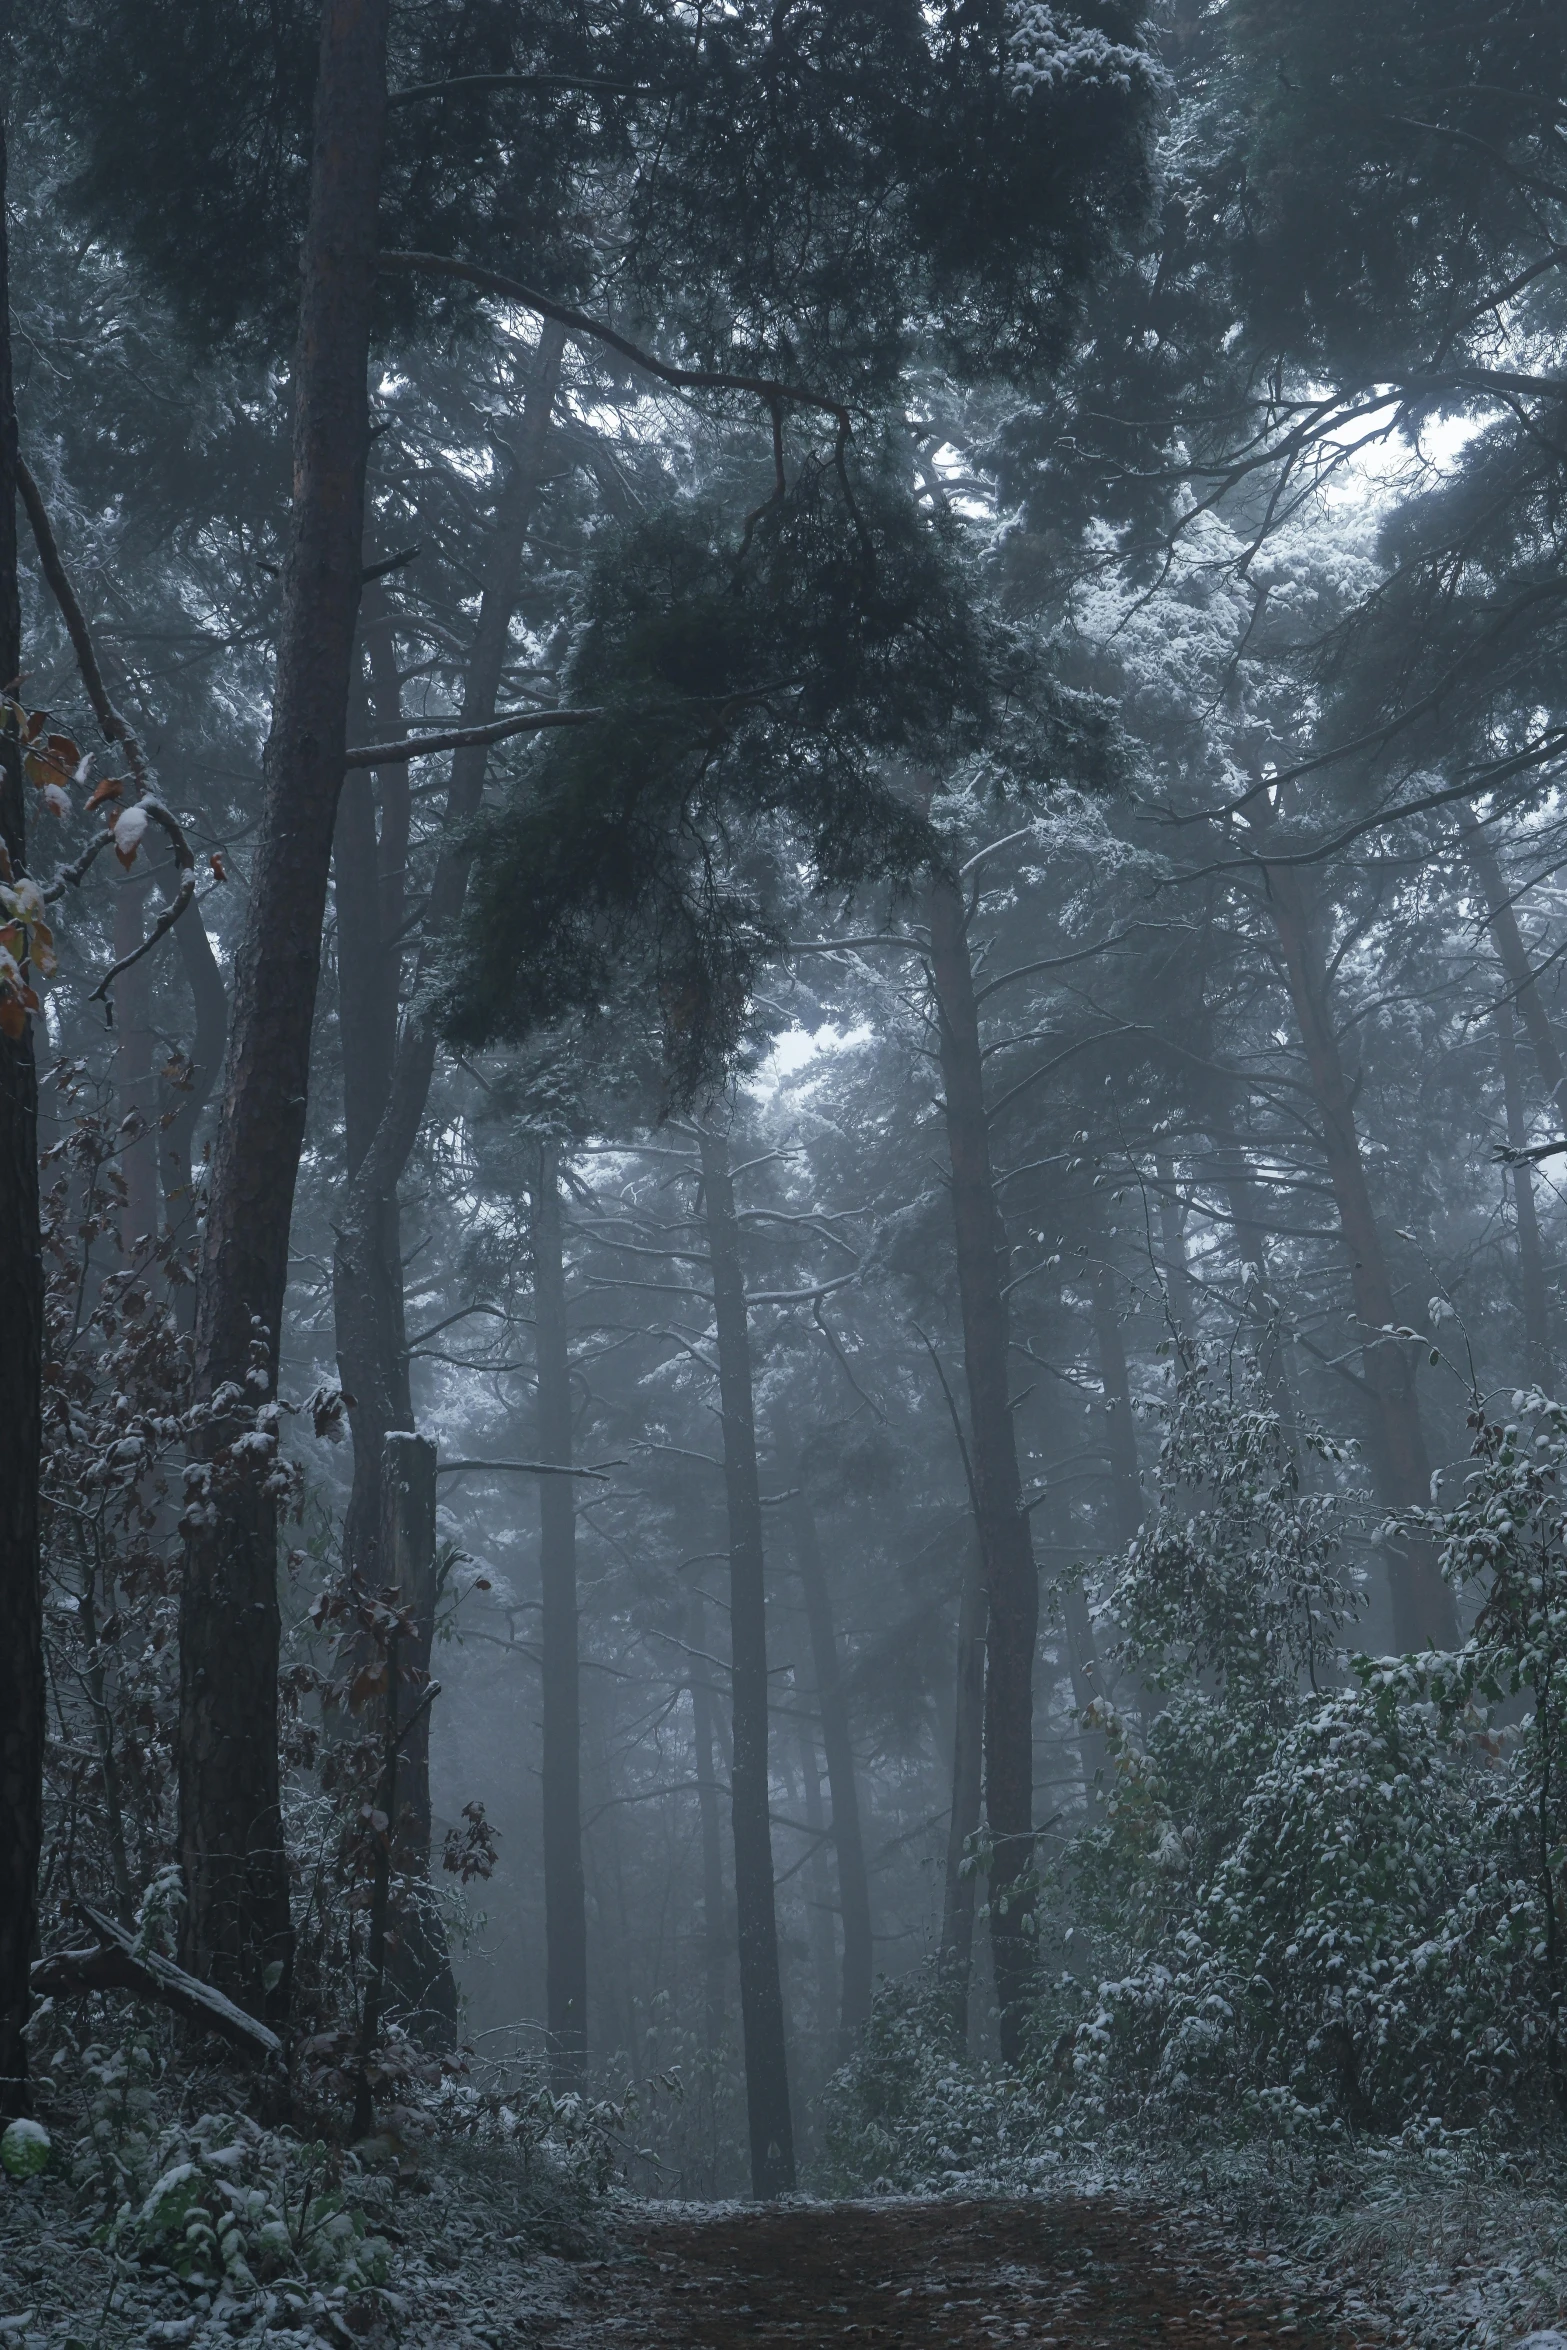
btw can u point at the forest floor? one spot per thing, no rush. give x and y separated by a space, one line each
1068 2273
487 2257
1468 2268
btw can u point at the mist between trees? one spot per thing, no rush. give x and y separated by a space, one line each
787 1374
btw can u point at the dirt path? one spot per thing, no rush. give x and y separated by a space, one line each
1068 2274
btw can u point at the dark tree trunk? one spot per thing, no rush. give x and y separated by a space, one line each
366 964
713 1935
1423 1612
182 1104
420 1966
21 1355
968 1774
237 1930
761 1995
1011 1583
565 1900
818 1899
1520 1181
854 1897
367 1285
385 1095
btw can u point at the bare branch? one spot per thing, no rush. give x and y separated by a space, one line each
530 1468
478 83
114 726
576 322
465 738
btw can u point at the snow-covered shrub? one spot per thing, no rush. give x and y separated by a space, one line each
907 2111
220 2202
1329 1889
1346 1956
236 2205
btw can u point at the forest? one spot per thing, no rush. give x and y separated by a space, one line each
783 1111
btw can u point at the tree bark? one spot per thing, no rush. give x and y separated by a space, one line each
713 1935
367 1270
384 1117
182 1104
21 1349
237 1930
1423 1612
968 1773
1011 1582
1520 1181
854 1898
818 1898
420 1971
565 1898
771 2128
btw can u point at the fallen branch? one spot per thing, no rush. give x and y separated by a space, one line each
117 1965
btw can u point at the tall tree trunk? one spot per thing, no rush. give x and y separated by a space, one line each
818 1884
1520 1181
1082 1651
771 2128
854 1897
420 1970
21 1349
181 1104
1508 941
713 1935
368 1297
1011 1582
237 1930
968 1773
385 1116
134 1084
565 1900
1423 1612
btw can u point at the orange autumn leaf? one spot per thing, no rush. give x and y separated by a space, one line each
220 871
13 1020
110 788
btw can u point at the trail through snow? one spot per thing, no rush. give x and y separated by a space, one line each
1068 2273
